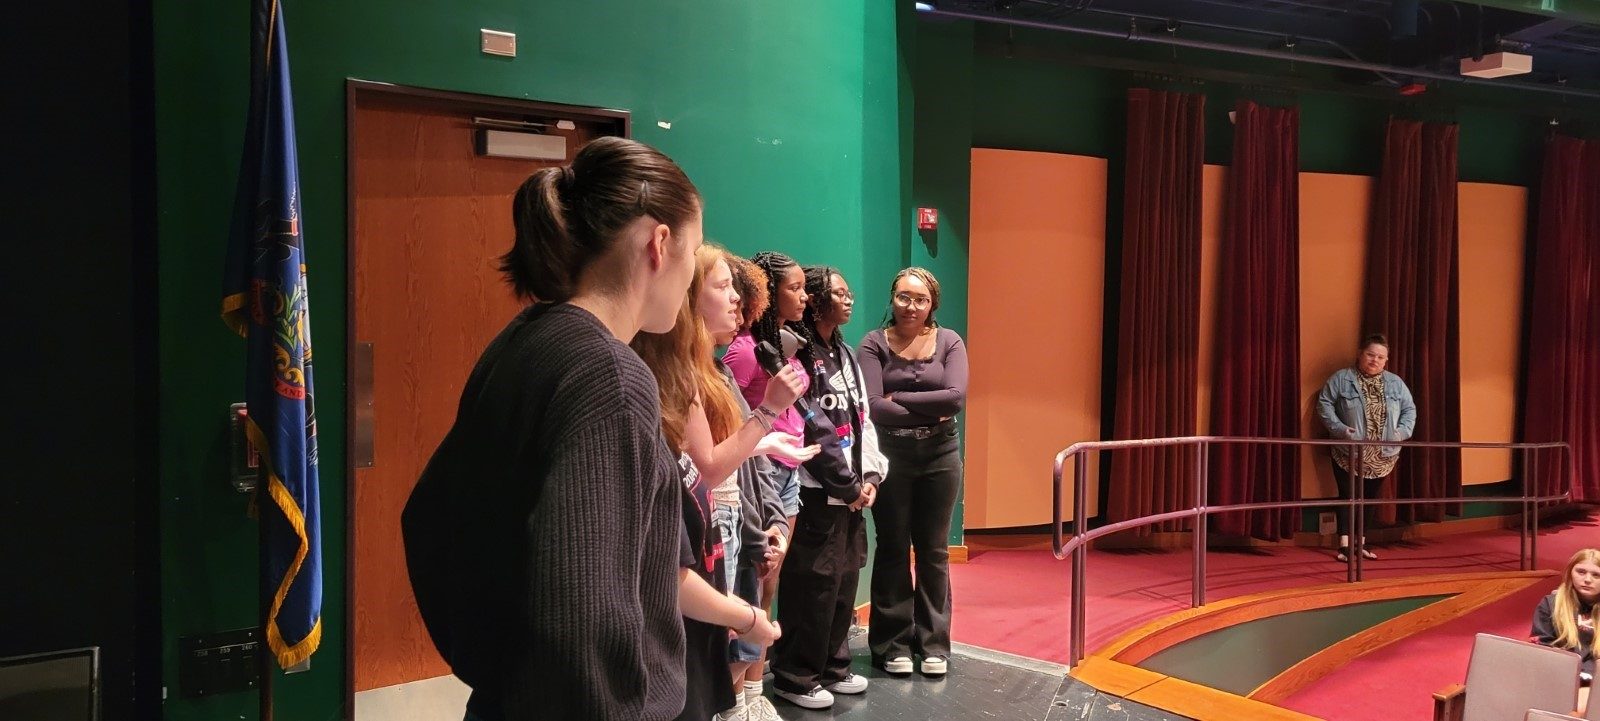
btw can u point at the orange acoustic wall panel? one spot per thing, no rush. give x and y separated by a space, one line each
1493 233
1036 282
1213 223
1333 245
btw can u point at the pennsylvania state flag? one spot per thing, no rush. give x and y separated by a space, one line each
265 301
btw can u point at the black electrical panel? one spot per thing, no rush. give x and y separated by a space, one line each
223 662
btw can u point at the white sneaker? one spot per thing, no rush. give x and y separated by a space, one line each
934 666
818 697
899 664
853 684
739 711
759 708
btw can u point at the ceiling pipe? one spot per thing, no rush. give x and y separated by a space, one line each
1133 34
1336 45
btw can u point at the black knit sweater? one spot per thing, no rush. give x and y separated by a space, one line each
543 537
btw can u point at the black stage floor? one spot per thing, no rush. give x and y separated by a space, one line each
982 684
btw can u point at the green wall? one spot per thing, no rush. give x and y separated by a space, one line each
789 117
942 85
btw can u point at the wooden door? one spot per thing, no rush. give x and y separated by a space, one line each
428 220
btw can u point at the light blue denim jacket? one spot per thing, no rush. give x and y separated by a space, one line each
1339 406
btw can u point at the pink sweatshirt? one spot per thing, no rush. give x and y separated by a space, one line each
753 380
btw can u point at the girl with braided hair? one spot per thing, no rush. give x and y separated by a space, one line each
812 662
786 289
781 300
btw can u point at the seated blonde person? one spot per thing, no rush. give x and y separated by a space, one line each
1565 618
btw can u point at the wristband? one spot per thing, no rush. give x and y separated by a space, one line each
752 625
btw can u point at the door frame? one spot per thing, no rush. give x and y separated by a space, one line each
357 380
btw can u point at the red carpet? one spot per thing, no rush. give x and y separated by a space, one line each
1015 601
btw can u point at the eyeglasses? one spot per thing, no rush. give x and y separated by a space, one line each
911 301
842 294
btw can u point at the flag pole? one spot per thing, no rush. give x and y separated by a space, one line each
264 656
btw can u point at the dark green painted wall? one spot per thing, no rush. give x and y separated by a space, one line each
789 117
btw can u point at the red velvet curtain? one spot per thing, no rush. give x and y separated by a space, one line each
1257 381
1561 355
1411 296
1158 318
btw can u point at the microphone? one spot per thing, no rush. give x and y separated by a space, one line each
792 342
772 361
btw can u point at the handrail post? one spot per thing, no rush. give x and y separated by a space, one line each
1360 541
1197 535
1354 514
1080 524
1522 535
1055 510
1533 535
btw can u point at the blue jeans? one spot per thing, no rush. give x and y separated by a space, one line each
742 580
788 489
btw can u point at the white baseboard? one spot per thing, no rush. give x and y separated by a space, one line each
434 699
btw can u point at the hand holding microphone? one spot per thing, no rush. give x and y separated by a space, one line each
783 390
774 363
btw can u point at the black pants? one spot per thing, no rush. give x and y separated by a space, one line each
817 600
1369 489
913 512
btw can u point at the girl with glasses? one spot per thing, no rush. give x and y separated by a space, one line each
916 375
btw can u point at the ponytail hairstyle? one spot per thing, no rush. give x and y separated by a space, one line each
766 327
1564 614
819 289
569 217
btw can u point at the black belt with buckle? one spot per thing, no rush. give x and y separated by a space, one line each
918 432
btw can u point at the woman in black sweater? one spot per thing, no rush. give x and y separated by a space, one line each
545 539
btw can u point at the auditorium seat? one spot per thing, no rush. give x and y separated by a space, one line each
1537 715
1506 678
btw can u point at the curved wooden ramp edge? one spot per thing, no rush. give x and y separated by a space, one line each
1112 669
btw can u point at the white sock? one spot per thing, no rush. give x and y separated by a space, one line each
752 689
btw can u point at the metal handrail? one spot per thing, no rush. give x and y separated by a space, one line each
1077 547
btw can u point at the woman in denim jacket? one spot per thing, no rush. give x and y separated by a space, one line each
1365 402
